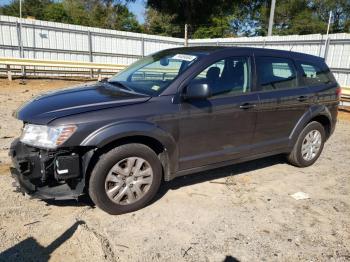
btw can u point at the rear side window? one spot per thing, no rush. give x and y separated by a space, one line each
275 73
313 75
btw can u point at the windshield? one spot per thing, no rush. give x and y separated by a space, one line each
153 74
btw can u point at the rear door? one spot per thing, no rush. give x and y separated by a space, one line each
283 101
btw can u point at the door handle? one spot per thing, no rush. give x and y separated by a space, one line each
302 98
246 106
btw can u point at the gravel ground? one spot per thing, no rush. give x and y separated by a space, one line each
243 212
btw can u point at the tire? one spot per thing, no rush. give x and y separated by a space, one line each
119 168
296 157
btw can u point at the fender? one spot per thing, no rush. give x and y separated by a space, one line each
114 131
315 110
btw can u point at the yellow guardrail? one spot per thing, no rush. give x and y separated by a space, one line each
55 63
71 64
345 97
345 91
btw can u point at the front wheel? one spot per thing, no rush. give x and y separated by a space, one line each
125 179
309 145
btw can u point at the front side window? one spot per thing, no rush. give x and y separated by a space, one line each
313 75
153 74
226 77
275 73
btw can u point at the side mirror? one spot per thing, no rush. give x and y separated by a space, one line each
197 91
164 61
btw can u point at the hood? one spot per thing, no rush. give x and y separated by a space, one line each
100 95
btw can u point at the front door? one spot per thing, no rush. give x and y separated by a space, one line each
221 127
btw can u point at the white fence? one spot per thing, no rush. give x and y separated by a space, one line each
57 41
335 48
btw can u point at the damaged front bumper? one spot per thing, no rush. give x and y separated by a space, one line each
48 174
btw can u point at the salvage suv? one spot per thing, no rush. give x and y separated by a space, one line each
175 112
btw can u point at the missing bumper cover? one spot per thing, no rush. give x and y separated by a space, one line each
44 174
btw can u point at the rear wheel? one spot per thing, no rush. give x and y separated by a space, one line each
125 179
309 145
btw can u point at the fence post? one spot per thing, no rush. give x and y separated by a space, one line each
320 47
20 46
9 73
142 46
99 76
328 40
91 59
34 46
186 36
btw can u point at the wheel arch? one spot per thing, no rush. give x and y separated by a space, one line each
319 113
161 142
325 122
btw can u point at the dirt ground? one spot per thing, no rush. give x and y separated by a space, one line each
243 212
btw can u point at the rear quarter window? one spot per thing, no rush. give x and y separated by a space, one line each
313 75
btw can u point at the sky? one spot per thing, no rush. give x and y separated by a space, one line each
138 8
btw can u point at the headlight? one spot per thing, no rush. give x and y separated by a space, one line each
46 136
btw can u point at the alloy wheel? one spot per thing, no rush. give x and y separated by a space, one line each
311 145
128 180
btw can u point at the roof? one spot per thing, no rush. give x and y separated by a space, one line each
265 51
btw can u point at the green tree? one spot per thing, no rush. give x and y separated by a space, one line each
57 13
246 17
77 12
220 26
160 23
123 19
105 14
33 8
304 16
197 13
250 17
100 13
215 18
340 12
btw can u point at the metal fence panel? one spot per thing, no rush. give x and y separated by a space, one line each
57 41
335 49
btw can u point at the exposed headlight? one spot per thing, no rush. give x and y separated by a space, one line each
46 136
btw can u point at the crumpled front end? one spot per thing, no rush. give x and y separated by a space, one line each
48 174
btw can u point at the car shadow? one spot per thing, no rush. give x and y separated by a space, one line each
30 249
83 201
231 170
187 180
230 259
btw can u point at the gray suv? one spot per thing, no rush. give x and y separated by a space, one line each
173 113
